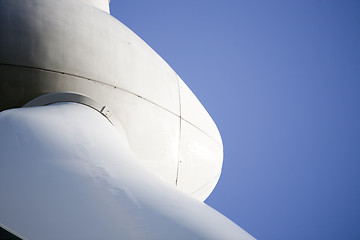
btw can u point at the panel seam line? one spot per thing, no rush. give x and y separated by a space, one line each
180 118
113 86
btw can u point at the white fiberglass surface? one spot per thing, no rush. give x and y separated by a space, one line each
197 150
69 46
100 4
67 173
194 113
73 38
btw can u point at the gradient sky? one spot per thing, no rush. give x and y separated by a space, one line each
281 79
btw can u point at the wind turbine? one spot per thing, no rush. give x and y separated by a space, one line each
99 137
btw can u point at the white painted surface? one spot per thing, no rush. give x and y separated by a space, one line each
100 4
153 133
69 46
194 112
196 151
66 173
74 38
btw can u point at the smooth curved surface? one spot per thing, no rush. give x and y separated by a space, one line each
70 37
58 97
66 173
100 4
70 46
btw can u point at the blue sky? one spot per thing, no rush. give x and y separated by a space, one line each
282 81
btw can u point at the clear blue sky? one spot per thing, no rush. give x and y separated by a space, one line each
282 81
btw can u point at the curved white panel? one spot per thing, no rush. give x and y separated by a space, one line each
66 173
69 46
71 37
100 4
194 112
196 151
153 133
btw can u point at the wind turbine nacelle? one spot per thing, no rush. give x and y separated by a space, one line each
54 51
